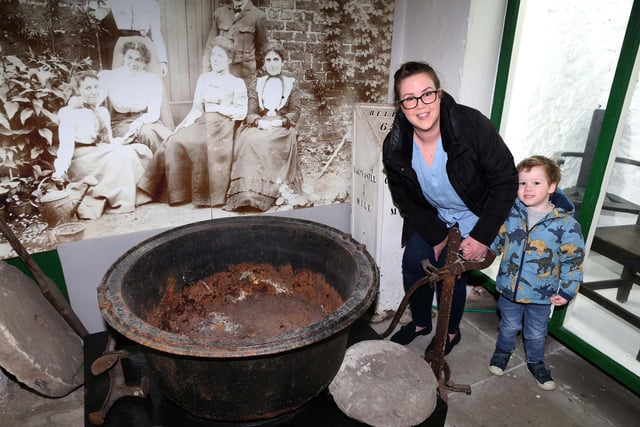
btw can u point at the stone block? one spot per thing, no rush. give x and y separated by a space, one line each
37 345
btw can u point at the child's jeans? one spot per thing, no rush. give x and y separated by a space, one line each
534 332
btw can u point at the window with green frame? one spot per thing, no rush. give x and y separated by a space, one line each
554 71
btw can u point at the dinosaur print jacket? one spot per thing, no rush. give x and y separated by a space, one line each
543 261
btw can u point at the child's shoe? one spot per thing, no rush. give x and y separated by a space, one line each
498 362
542 375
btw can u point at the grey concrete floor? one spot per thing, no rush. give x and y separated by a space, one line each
585 395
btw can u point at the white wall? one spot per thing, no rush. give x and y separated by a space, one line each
562 71
435 32
486 22
460 39
559 75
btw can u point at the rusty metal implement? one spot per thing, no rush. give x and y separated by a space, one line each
111 361
454 267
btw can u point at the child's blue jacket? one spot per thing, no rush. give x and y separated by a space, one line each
544 261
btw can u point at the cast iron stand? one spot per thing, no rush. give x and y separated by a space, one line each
111 361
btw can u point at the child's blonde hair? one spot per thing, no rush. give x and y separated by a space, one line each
551 168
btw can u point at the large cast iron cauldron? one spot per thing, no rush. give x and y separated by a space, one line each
250 380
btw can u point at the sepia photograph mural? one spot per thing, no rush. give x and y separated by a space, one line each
128 115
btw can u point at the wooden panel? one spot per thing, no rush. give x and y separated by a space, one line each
185 26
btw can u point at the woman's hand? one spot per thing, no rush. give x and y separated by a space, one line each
135 127
437 249
130 136
472 250
269 124
58 177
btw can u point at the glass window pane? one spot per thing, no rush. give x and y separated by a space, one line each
612 268
560 80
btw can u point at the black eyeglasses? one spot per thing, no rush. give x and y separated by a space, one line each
411 102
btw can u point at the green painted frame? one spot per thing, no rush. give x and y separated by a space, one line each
616 100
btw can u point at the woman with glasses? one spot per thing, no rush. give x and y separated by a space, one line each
446 166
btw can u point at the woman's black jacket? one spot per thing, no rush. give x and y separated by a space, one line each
480 167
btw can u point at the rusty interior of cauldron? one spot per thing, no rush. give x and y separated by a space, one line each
257 377
246 301
136 282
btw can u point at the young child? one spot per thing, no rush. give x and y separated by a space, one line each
542 253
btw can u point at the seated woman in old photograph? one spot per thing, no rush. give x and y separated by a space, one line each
195 164
135 97
265 154
137 21
88 149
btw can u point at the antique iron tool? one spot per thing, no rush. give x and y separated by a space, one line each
453 268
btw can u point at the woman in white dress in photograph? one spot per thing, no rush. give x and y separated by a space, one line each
195 164
87 148
135 98
136 21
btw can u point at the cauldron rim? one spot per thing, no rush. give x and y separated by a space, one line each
110 299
